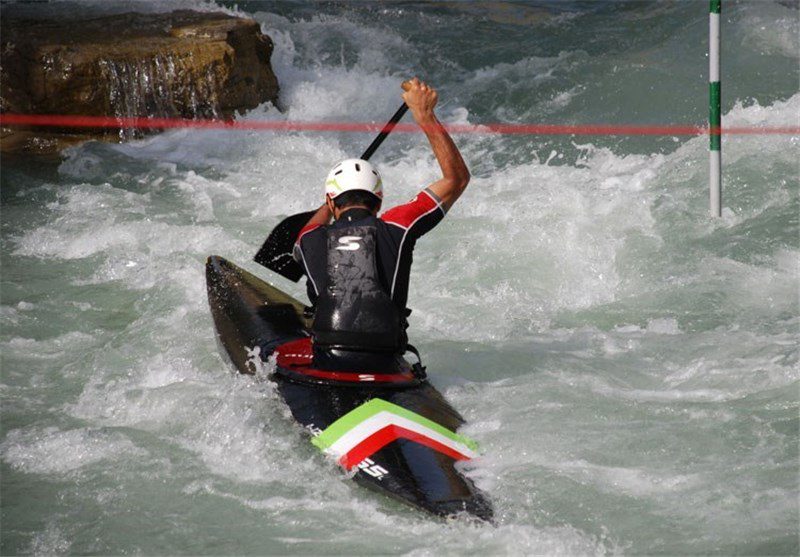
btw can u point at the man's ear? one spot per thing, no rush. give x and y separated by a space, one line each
331 206
377 209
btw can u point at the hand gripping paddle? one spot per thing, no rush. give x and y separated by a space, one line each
276 253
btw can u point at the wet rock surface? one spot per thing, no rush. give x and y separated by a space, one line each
182 64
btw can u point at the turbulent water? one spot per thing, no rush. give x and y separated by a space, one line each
628 364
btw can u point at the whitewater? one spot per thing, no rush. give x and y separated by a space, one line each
627 363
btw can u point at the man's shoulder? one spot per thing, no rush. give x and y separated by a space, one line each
425 203
309 231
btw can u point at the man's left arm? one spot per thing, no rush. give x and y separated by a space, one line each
321 217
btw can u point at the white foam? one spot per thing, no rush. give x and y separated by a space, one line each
53 451
554 247
631 481
49 348
771 28
535 69
51 541
9 315
422 537
152 392
663 326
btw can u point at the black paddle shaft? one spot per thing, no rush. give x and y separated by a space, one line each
276 252
387 129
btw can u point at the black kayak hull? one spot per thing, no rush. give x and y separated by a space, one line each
399 440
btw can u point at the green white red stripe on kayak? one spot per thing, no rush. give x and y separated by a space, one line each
365 430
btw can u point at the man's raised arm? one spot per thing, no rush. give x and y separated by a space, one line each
421 100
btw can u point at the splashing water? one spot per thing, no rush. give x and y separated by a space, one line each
628 364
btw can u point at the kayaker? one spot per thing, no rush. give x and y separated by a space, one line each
358 267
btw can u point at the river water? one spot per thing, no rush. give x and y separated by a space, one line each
628 364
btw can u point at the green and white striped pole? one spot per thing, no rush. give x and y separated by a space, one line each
714 121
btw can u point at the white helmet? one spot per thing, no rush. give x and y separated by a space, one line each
353 174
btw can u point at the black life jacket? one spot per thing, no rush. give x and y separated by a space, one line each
355 312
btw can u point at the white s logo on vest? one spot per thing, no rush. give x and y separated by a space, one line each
349 243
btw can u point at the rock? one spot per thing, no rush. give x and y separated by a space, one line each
183 64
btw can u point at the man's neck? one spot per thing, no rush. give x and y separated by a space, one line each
341 212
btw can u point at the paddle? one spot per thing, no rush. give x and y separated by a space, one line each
276 253
387 129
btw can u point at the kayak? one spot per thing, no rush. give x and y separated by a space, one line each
389 428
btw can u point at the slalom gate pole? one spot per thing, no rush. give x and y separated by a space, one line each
714 115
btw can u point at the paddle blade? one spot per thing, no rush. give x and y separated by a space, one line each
276 253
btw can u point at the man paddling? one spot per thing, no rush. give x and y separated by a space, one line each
358 267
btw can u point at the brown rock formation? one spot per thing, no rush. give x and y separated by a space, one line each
182 64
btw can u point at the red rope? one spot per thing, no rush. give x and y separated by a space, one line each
65 121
